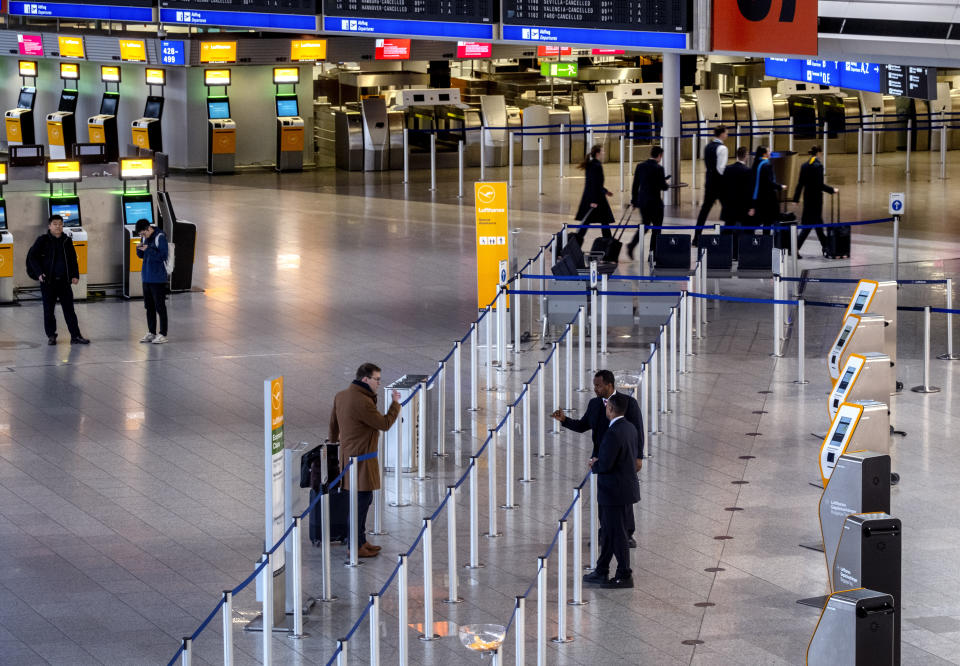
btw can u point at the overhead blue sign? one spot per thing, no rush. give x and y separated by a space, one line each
173 52
81 11
369 26
239 19
854 75
824 72
784 68
663 40
861 76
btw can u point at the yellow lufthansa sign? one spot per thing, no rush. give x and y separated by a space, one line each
133 50
63 170
109 73
214 52
140 167
306 50
155 77
27 68
71 47
492 238
286 75
6 260
69 71
3 173
216 77
276 403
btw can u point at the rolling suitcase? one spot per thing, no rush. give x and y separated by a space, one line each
838 238
339 518
672 251
612 245
756 253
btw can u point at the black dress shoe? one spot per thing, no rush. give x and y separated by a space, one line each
51 340
80 340
632 542
594 578
619 582
630 251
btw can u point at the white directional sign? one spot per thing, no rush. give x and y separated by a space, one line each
896 203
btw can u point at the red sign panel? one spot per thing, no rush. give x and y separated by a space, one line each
607 51
393 49
30 45
547 51
474 50
765 26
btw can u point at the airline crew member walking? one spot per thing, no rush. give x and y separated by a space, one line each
811 185
594 207
649 183
715 158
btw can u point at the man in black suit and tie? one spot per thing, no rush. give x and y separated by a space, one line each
596 421
617 491
737 196
649 183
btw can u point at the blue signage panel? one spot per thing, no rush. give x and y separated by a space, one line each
824 72
638 39
86 10
371 26
861 76
784 68
173 52
854 75
239 19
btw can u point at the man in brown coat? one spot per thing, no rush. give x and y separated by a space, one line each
356 424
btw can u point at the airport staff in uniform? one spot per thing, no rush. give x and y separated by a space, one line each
154 250
765 204
356 423
594 207
737 196
649 183
595 420
715 157
53 261
617 491
811 185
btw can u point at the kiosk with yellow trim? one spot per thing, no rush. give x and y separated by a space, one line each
66 204
879 298
19 121
62 123
136 204
858 425
859 334
6 245
146 131
856 628
290 125
864 376
221 128
102 128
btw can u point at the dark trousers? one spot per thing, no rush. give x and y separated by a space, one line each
613 539
652 216
364 500
51 292
711 195
155 300
821 234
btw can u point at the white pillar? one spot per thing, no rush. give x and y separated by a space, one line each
671 123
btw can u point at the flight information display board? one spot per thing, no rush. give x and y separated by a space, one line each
916 82
427 18
138 11
897 80
271 14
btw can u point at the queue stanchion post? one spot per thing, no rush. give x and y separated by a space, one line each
406 155
492 531
577 541
374 619
555 394
594 523
543 284
873 140
909 141
422 433
325 574
527 478
186 651
790 139
266 608
631 132
378 499
682 334
860 153
460 169
453 580
541 611
297 566
509 159
672 326
691 314
342 651
427 545
441 386
541 409
502 327
949 356
694 155
926 387
622 156
488 347
433 162
581 355
777 325
943 145
508 502
603 315
896 248
801 343
353 475
662 370
563 141
561 636
483 153
540 165
593 316
520 631
474 379
654 390
474 481
403 609
826 137
457 405
227 617
515 306
569 369
398 461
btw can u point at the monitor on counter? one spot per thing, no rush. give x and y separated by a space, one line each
137 210
154 107
68 100
218 109
287 106
27 94
70 212
108 105
3 215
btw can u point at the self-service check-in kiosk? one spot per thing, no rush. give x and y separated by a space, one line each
221 128
856 628
858 425
289 123
6 245
879 298
136 204
19 121
146 132
376 134
863 377
66 204
102 128
858 335
62 123
408 427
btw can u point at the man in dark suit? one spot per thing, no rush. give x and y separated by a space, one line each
811 185
715 161
595 420
617 491
649 183
737 195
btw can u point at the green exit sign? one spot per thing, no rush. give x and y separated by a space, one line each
566 70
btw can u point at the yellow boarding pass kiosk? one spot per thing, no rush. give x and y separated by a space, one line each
879 298
290 125
19 121
102 128
221 128
146 131
136 204
864 376
66 204
6 245
62 123
859 334
858 426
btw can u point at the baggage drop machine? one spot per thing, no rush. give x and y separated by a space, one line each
136 204
857 426
856 628
863 377
289 123
146 132
19 121
6 245
858 335
221 128
62 123
102 128
879 298
67 205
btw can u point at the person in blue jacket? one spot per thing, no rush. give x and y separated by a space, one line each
154 251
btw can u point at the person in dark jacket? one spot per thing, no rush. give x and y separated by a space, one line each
715 160
765 200
53 261
594 207
737 196
596 421
810 184
154 250
617 491
649 183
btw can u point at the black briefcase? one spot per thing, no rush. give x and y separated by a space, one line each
719 251
672 251
756 253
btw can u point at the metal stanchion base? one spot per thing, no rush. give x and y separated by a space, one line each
425 477
492 536
379 533
431 637
509 507
583 390
547 455
530 480
437 454
558 639
328 600
480 565
353 566
398 504
256 624
577 603
949 357
667 411
458 600
674 391
797 381
926 389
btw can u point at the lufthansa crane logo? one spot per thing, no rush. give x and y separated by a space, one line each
486 194
276 396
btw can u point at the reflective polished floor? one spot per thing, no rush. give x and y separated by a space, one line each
131 478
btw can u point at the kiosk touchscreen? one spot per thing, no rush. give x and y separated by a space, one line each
66 204
146 131
62 123
879 298
863 377
102 128
19 121
857 425
289 123
6 245
858 335
221 128
136 204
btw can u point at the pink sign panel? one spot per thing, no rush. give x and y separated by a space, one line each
474 50
30 45
607 51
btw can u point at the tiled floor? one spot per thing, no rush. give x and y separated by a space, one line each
131 475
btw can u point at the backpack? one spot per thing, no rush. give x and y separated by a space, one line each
171 254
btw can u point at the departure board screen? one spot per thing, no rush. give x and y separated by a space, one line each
644 15
269 6
464 11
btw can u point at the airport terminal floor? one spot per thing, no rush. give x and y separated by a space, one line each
131 476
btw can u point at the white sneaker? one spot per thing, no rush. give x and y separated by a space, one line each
159 339
149 337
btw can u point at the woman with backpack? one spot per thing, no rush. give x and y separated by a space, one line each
155 252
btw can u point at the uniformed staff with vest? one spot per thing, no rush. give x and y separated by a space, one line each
811 185
715 157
